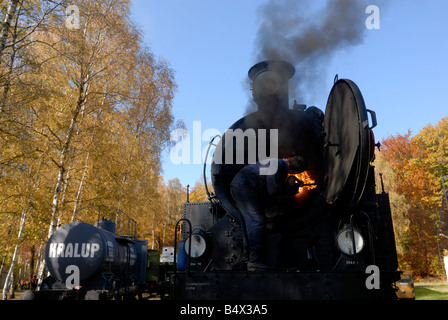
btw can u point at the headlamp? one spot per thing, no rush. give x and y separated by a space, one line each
345 239
198 244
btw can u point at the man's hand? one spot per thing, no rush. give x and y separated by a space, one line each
294 182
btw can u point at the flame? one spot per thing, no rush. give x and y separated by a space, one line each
306 179
304 192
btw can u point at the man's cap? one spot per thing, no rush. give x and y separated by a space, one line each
297 163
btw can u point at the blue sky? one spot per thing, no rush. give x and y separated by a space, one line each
401 68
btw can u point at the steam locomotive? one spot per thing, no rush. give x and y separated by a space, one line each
332 240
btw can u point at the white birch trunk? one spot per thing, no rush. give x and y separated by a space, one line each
63 157
10 275
26 208
6 24
78 194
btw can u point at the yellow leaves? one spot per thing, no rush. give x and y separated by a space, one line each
198 192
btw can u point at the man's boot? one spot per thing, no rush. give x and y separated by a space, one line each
256 262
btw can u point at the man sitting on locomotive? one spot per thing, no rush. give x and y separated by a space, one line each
250 188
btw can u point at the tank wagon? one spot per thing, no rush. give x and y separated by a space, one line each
92 262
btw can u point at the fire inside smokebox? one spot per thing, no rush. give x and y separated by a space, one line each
309 183
310 179
281 205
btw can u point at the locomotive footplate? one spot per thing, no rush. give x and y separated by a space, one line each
280 285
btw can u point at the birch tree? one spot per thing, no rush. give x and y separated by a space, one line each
23 217
6 24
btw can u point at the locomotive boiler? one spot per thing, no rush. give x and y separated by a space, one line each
332 240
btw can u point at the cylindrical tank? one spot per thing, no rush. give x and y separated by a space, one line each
106 224
89 248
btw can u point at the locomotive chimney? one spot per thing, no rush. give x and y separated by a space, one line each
269 84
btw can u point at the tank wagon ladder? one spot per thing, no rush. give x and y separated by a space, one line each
125 225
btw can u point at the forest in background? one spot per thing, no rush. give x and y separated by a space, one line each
412 168
86 112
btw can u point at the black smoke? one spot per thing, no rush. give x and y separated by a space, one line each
308 37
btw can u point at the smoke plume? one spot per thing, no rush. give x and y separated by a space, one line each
308 38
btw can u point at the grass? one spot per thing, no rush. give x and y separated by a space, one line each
425 293
431 290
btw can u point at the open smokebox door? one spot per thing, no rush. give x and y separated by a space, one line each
347 144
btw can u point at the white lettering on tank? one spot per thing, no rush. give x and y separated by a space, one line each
94 248
73 250
76 252
85 250
52 250
60 250
69 250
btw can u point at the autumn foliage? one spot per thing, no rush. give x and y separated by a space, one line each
418 164
85 114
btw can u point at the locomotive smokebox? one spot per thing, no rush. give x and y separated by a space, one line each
274 131
270 84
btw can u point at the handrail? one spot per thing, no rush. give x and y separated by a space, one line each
205 165
369 227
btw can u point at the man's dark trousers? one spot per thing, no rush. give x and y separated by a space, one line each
250 204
